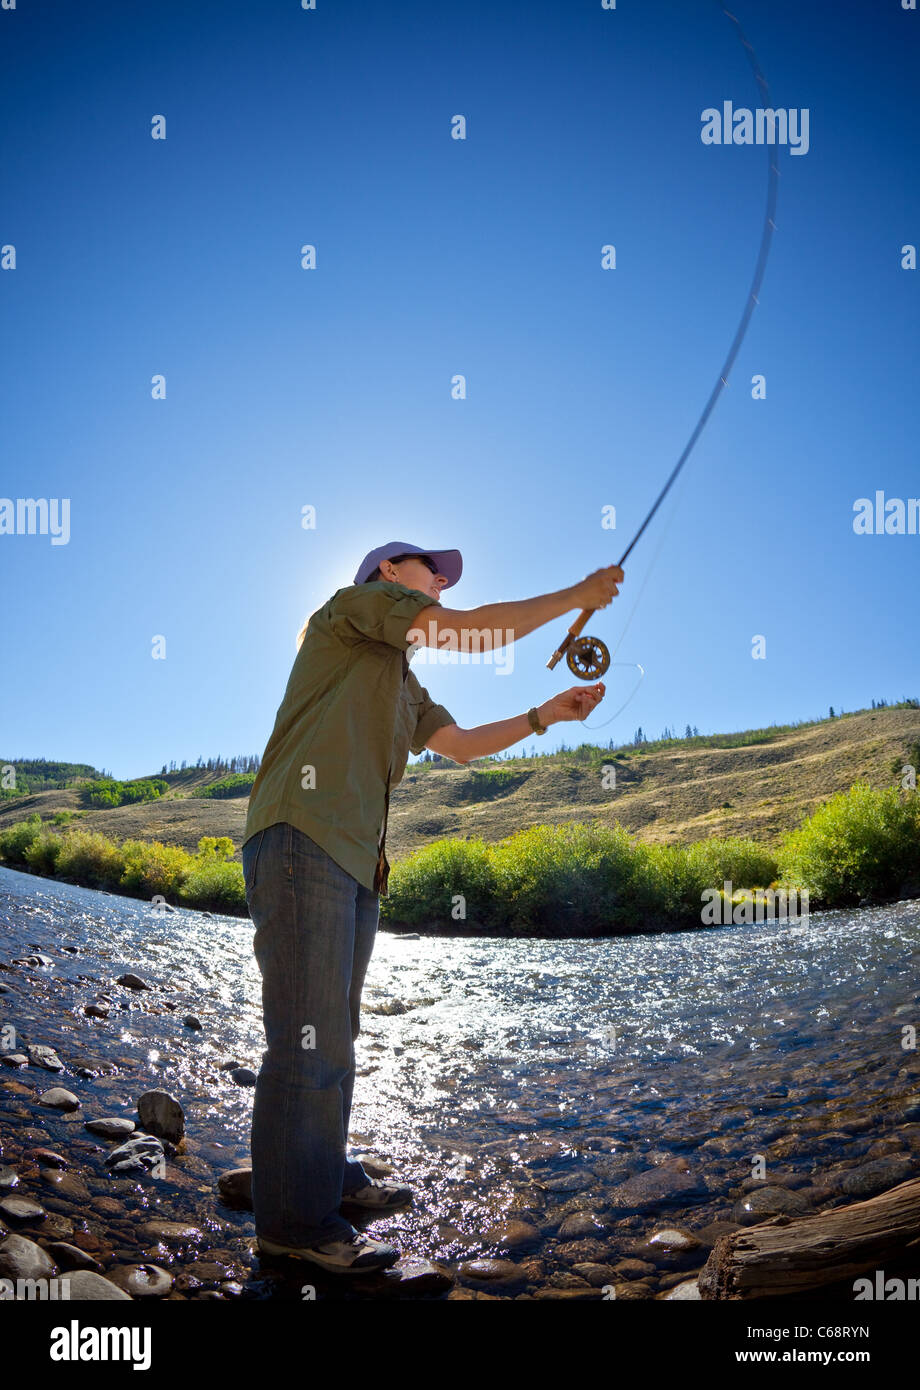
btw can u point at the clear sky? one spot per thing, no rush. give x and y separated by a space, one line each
437 257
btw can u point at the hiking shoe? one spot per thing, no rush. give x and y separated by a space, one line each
377 1194
354 1254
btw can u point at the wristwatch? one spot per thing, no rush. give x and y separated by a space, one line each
535 724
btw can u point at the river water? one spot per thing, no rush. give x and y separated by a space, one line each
506 1079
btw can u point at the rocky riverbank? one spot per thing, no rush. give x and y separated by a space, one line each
600 1172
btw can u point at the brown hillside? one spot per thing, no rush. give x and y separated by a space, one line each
675 793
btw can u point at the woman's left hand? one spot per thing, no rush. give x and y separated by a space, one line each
576 703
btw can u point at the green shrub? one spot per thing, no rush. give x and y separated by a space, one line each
153 868
859 844
41 854
422 886
215 885
574 879
89 858
16 839
237 784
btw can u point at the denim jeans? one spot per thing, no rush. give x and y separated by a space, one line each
315 930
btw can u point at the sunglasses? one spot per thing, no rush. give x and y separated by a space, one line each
425 559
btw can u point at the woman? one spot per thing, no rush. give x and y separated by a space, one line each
314 865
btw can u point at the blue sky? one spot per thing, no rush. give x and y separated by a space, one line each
331 387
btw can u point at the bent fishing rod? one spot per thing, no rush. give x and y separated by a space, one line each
588 657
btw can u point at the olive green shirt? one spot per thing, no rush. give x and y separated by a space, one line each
350 714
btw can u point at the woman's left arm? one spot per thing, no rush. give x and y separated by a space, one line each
463 745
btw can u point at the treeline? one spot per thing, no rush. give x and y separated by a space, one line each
692 738
24 776
243 762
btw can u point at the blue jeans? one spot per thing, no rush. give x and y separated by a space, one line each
315 930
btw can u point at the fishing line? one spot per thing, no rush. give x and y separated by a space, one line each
647 576
588 657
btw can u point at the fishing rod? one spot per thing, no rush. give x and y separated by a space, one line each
588 657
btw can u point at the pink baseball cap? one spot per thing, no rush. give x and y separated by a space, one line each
449 562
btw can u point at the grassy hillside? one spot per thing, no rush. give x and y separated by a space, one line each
681 791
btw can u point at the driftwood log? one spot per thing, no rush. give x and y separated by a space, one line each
790 1255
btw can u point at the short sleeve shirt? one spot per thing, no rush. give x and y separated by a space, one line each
351 713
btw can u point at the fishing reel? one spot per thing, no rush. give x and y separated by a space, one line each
587 658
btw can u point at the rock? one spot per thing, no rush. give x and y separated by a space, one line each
96 1010
111 1128
579 1224
492 1271
594 1274
910 1107
243 1076
235 1188
71 1257
43 962
688 1290
765 1202
161 1114
142 1281
634 1269
715 1230
85 1285
672 1238
55 1226
137 1155
871 1178
21 1209
375 1167
168 1231
48 1158
108 1206
623 1293
567 1182
41 1056
23 1259
132 981
59 1099
15 1059
192 1021
513 1235
655 1187
67 1185
8 1177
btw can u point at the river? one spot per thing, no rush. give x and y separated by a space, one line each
631 1080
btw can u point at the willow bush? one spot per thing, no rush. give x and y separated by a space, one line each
859 844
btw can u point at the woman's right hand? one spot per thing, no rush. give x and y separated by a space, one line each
597 589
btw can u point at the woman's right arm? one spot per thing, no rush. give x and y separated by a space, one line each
463 630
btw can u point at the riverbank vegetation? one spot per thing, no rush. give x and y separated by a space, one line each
574 879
